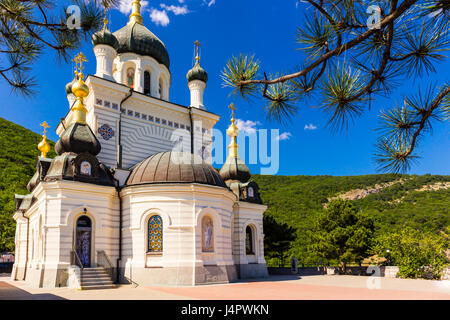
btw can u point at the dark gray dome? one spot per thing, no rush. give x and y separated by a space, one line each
235 169
174 167
197 73
136 38
69 86
78 138
105 37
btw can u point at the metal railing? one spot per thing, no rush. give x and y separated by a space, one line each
75 259
103 261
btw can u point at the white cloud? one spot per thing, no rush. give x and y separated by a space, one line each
177 10
247 126
310 127
284 136
159 17
125 6
209 3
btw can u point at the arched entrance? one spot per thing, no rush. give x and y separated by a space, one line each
83 240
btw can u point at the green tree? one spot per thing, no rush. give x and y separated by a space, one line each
355 51
27 27
277 239
417 254
342 233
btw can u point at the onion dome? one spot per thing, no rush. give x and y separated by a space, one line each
69 86
78 138
235 169
174 167
43 146
105 37
197 73
136 38
80 89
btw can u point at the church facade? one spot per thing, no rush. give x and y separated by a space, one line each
132 193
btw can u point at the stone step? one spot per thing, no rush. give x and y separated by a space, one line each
98 286
88 283
99 274
95 277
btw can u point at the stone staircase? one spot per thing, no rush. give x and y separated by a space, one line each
95 278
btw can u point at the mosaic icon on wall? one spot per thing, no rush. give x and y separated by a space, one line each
106 132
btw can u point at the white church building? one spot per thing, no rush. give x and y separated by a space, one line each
131 196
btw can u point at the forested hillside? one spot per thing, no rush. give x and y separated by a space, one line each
18 154
297 200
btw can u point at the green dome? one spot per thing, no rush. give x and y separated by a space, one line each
136 38
69 86
105 37
197 73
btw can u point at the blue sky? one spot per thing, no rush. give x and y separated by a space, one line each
229 27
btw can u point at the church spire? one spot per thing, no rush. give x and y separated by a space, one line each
43 146
234 168
135 16
80 90
233 132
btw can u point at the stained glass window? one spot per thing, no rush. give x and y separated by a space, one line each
249 240
155 232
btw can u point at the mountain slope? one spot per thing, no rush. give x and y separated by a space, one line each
18 155
394 200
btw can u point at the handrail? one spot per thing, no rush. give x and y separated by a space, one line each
80 264
103 260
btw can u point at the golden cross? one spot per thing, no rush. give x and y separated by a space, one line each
79 59
197 45
232 107
45 126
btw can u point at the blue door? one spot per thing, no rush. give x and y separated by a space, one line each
83 240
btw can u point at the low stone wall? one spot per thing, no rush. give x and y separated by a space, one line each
388 272
305 271
446 275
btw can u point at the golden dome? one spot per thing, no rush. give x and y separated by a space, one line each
80 89
44 147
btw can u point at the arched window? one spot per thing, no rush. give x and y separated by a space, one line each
155 234
130 77
249 240
207 234
160 89
147 83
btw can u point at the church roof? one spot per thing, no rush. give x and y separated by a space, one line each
78 138
136 38
174 167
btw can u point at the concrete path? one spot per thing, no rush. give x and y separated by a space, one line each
273 288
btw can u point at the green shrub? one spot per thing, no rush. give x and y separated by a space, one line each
417 254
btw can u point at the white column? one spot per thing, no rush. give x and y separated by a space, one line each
154 90
139 77
197 89
105 56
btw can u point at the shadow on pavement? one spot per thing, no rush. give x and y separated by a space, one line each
11 292
272 278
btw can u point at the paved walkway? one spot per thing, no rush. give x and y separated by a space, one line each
273 288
